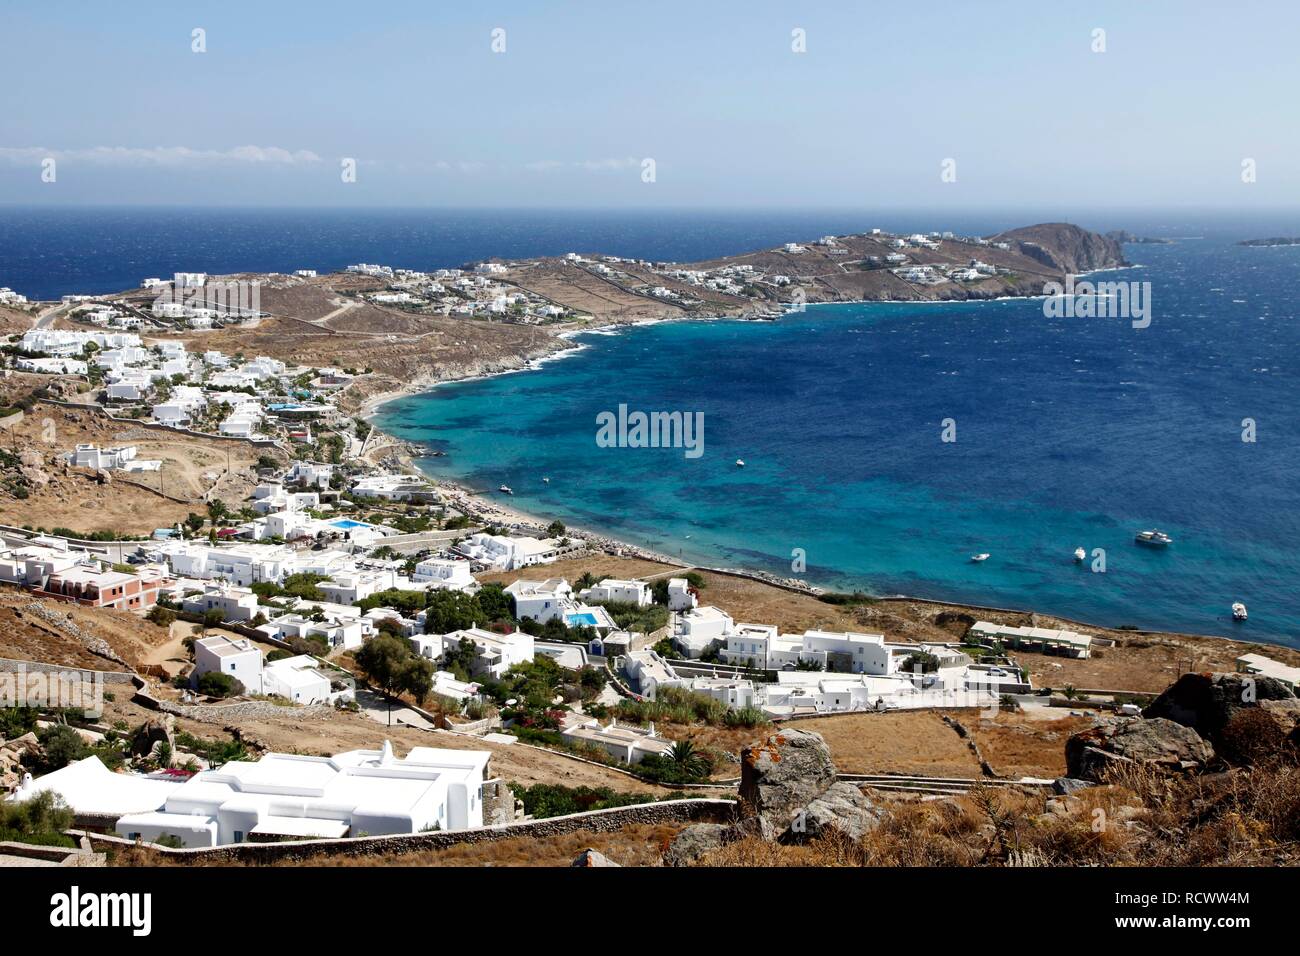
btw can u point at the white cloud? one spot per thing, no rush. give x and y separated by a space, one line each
169 156
586 165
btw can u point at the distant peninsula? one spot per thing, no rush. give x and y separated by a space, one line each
1276 241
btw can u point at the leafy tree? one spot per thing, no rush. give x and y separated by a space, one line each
217 684
62 746
922 661
38 820
417 677
450 611
385 660
555 529
494 603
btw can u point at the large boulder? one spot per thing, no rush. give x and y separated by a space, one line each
695 841
154 731
591 857
1206 702
1156 743
781 776
844 807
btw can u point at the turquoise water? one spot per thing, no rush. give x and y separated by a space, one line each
1070 432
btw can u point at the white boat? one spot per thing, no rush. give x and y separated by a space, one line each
546 480
1154 538
1080 554
505 490
982 556
1238 611
740 463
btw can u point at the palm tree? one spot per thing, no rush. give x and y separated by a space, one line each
690 761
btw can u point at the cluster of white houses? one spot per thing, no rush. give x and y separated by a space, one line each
458 292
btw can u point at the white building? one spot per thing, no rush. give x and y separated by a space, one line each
108 459
1267 667
681 597
1069 643
445 573
701 628
509 554
239 658
395 488
619 591
497 653
299 679
628 744
370 792
542 600
234 603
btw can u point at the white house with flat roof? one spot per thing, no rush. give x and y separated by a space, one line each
299 679
629 744
239 658
1070 643
542 600
280 796
618 591
509 554
1267 667
444 573
234 603
701 628
497 653
681 596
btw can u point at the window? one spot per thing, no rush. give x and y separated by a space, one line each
239 836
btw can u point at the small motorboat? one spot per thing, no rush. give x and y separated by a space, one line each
740 463
546 480
1238 611
977 558
505 490
1080 555
1153 538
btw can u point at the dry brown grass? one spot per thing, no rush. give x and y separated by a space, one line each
1015 746
1141 818
915 742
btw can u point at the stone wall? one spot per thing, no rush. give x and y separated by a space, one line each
10 665
597 821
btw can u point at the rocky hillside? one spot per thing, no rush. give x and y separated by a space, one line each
1065 247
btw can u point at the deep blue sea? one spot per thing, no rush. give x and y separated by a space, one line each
1070 432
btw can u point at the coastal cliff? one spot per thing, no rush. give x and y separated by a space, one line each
1065 247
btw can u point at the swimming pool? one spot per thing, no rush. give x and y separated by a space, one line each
585 619
347 524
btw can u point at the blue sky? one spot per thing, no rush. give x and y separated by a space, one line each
711 91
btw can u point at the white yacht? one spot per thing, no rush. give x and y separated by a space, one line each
1080 554
505 490
740 463
1153 538
982 556
1238 611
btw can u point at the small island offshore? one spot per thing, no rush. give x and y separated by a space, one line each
1276 241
